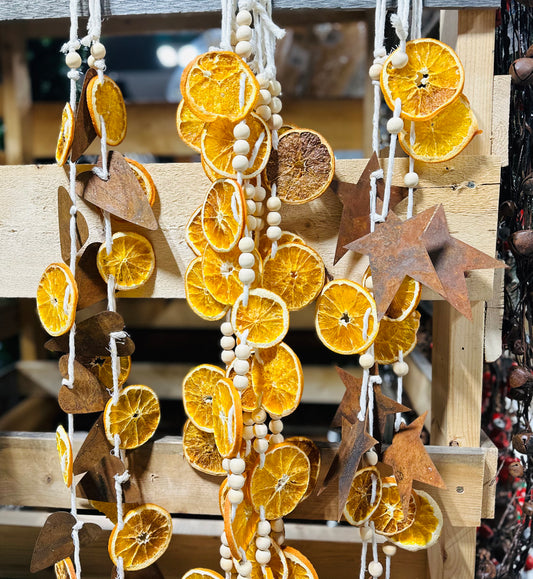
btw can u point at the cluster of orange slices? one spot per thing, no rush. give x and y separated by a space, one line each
430 88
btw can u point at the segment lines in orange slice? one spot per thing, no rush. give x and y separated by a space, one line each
239 527
57 298
194 233
101 367
145 179
198 296
313 454
200 450
227 418
66 135
299 565
189 126
201 573
105 101
64 450
198 387
395 336
64 569
389 518
364 496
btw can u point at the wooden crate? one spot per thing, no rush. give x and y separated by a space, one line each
468 187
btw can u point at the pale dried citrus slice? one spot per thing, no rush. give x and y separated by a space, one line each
223 214
131 261
346 317
389 518
64 449
198 296
282 482
277 567
265 317
201 573
105 102
197 392
364 496
145 179
426 528
302 167
66 135
200 450
210 174
134 418
110 509
265 244
219 84
101 367
189 126
144 537
299 565
227 418
395 336
431 80
313 454
277 379
64 569
296 274
239 525
220 271
443 136
217 146
194 234
57 298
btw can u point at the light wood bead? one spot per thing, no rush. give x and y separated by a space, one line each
244 568
399 59
369 284
246 260
73 60
260 194
366 533
263 80
241 131
237 465
236 481
263 543
227 356
243 48
240 382
225 464
248 432
246 275
248 419
395 125
277 438
375 568
239 163
276 122
274 218
241 367
250 206
243 351
274 204
225 552
400 368
260 430
276 426
243 18
276 105
263 528
278 526
273 233
259 416
246 244
226 328
371 458
389 550
226 564
279 538
264 112
235 496
374 72
251 222
227 342
241 147
259 223
260 445
262 557
244 32
224 539
366 361
275 87
98 50
264 97
259 209
411 179
91 61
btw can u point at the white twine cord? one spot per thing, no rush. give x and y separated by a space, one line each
416 18
399 393
94 25
227 24
390 166
364 549
387 566
374 542
380 16
400 22
274 246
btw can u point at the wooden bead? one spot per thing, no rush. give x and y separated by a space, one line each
251 222
264 112
263 543
366 533
98 50
243 48
259 416
226 564
226 328
248 419
273 218
246 244
276 105
374 72
247 275
91 61
399 59
264 97
260 194
262 557
244 568
375 568
248 432
227 356
410 179
263 528
400 368
246 260
243 18
239 163
371 458
273 233
394 125
277 438
259 209
263 80
276 122
250 206
279 538
260 445
277 525
73 60
227 342
236 481
235 496
260 430
241 131
241 147
241 367
225 552
225 464
389 550
243 351
366 361
244 32
237 465
275 87
276 426
274 204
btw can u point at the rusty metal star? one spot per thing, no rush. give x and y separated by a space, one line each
349 405
386 406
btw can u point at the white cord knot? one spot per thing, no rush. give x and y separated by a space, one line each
377 174
398 26
68 382
74 75
86 40
73 210
70 46
99 172
122 478
119 336
100 64
79 524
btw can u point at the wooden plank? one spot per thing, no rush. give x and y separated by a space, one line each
501 105
417 384
33 413
152 126
490 477
466 186
334 551
30 476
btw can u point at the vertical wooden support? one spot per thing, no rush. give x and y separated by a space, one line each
457 342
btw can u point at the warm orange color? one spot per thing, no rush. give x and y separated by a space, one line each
299 565
296 274
277 379
144 538
66 135
277 567
189 126
227 418
443 136
249 401
313 454
212 85
223 214
388 518
266 318
240 529
57 298
346 317
104 99
200 450
197 295
431 80
395 336
64 449
282 482
145 179
217 146
200 573
360 506
100 366
64 569
194 234
197 393
265 244
134 418
131 261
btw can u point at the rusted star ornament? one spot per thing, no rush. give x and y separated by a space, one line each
410 461
386 406
349 405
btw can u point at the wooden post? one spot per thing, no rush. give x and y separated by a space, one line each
457 342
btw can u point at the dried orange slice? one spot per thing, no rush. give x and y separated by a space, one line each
197 392
426 528
277 379
239 526
101 367
219 84
144 537
64 449
313 454
296 274
265 317
389 518
200 450
66 135
395 336
299 565
189 126
131 261
249 400
145 179
282 482
210 174
217 146
194 233
220 271
57 298
277 568
431 80
346 317
364 496
302 167
64 569
265 244
110 509
227 418
134 418
223 214
105 102
443 136
200 573
198 297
